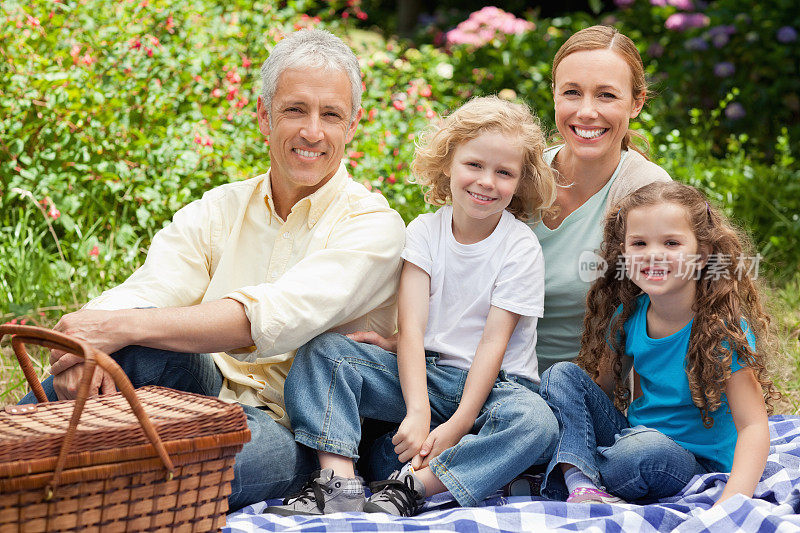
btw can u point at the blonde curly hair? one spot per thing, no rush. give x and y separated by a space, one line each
536 191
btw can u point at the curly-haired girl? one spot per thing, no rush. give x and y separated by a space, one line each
464 382
678 302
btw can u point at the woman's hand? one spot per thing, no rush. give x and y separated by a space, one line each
411 435
370 337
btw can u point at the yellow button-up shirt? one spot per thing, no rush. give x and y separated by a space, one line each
333 264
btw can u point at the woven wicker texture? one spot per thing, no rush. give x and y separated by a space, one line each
108 422
112 475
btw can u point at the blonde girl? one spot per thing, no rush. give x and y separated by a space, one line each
679 304
463 382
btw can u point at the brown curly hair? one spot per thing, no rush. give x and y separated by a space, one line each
725 294
536 191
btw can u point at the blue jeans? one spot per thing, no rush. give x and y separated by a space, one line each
270 465
630 462
334 380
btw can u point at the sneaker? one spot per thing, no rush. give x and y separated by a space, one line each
524 485
324 493
590 495
401 495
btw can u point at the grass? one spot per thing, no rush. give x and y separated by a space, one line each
782 301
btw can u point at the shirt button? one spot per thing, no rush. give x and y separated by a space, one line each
286 235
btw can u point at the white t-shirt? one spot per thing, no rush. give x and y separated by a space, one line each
504 270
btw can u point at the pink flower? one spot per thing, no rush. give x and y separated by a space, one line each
430 114
686 5
94 252
400 106
425 91
74 52
371 114
246 62
216 93
170 24
53 212
355 155
684 21
392 179
198 139
361 15
208 141
149 51
134 44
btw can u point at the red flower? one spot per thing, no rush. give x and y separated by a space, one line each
246 62
392 179
94 252
361 15
425 91
149 51
372 113
400 106
134 44
355 155
216 93
170 24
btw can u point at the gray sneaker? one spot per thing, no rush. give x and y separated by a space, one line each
324 493
402 494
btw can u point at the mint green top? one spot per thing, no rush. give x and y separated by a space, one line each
570 261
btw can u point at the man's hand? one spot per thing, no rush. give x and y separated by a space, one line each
66 383
441 438
370 337
98 328
410 436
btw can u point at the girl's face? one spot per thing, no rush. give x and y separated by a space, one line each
594 102
484 175
662 256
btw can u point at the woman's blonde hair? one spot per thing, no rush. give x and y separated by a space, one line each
536 191
726 293
609 38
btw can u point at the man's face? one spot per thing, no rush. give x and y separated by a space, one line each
310 127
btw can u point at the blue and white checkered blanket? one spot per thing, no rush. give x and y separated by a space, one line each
774 507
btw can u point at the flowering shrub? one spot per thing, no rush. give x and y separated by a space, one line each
698 53
115 114
487 24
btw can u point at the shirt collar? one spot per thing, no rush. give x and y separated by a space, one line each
317 202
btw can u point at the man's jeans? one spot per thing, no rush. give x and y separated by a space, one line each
632 463
334 380
271 465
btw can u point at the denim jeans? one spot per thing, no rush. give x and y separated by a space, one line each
270 465
334 380
630 462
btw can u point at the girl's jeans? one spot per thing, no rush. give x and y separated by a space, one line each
632 463
334 381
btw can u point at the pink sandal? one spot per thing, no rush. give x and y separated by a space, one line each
590 495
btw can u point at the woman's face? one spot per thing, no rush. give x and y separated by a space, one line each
594 102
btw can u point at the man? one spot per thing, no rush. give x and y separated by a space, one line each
257 268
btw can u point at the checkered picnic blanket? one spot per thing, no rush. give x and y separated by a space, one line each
774 507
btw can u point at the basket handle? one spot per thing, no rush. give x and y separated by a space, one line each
22 335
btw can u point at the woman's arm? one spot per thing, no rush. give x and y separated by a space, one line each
412 319
752 443
482 374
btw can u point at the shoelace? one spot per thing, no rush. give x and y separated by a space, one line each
312 491
401 494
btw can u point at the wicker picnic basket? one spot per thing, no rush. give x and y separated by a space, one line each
154 459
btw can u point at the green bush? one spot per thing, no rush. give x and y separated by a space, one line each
115 114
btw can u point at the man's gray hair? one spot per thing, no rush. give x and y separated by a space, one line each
310 49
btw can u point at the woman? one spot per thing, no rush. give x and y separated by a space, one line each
598 87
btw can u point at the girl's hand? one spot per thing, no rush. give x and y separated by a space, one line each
441 438
410 436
